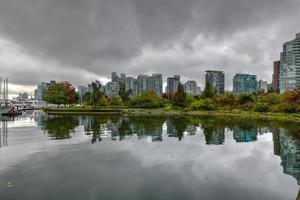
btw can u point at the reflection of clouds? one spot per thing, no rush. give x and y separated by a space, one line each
247 166
24 142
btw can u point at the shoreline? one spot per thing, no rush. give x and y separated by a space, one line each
295 118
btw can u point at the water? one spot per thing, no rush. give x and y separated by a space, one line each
84 157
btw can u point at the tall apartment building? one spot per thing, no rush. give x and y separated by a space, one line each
42 87
244 83
112 89
142 83
172 84
289 76
275 77
262 86
155 83
191 88
216 80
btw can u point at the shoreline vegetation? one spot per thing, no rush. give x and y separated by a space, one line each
260 105
295 118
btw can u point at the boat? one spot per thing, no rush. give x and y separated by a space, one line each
12 111
11 114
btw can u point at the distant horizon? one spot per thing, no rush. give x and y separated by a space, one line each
202 84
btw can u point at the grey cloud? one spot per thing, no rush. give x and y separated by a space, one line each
100 36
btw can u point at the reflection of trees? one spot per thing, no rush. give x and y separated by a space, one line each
177 126
95 125
213 130
60 127
143 127
124 128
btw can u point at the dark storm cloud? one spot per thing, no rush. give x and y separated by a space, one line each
84 39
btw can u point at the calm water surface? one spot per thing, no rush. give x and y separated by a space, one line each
87 157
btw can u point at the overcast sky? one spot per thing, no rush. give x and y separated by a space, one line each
84 40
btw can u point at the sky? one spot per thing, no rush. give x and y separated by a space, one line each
85 40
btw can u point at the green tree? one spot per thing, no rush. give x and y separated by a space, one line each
180 96
209 91
56 94
124 94
87 98
147 100
96 95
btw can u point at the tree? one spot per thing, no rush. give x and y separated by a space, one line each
147 100
71 92
180 96
124 94
96 95
87 98
209 91
56 94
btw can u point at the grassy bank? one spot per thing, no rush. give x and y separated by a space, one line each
174 112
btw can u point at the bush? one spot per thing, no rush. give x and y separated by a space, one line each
226 99
205 104
246 98
271 99
103 101
283 107
262 107
147 100
248 106
189 100
116 101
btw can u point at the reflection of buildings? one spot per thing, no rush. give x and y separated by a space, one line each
191 129
214 136
171 131
3 134
288 149
121 129
245 135
276 141
290 155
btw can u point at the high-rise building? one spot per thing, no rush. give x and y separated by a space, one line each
289 76
114 77
112 89
155 83
275 78
217 80
129 84
191 88
42 88
142 84
23 96
172 84
262 86
81 92
139 85
244 83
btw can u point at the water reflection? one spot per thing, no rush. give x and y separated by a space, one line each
3 134
215 131
59 127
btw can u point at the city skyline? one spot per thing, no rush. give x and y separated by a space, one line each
85 40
